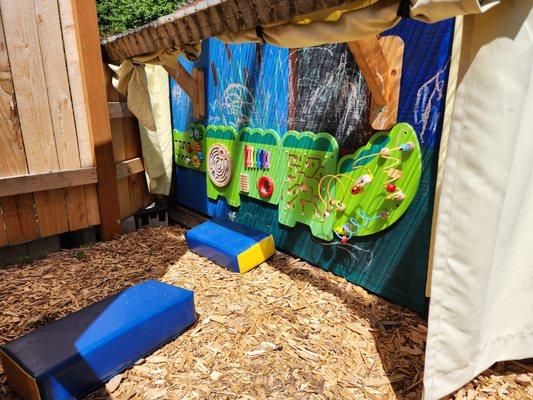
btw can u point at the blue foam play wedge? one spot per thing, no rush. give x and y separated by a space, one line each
231 245
73 356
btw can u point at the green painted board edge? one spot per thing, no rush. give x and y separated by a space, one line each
324 151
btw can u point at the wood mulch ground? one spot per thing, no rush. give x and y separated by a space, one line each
286 330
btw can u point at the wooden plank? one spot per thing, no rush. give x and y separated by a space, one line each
119 152
132 149
93 211
85 142
74 69
13 185
129 167
118 109
59 98
19 218
3 234
92 72
32 101
13 160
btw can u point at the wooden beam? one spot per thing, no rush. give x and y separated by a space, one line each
193 85
373 65
129 167
92 67
206 18
21 184
380 61
118 109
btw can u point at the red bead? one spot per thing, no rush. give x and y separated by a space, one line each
356 190
391 188
344 239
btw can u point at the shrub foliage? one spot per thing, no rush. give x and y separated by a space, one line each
116 16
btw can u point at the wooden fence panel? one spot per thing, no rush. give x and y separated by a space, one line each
53 124
18 222
44 125
33 107
61 110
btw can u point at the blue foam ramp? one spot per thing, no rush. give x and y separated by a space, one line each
73 356
231 245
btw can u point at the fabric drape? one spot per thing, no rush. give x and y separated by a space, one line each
144 82
130 80
352 21
157 144
481 308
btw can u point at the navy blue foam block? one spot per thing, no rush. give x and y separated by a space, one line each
76 354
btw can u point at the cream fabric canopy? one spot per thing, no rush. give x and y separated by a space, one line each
481 307
352 21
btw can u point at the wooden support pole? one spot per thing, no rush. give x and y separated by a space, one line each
373 65
88 41
380 61
192 85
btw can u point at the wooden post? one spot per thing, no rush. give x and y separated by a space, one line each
88 41
380 61
193 85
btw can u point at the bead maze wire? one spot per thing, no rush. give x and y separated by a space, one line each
361 219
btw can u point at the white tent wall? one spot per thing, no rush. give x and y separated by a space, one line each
481 307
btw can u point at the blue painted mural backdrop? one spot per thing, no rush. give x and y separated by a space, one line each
251 85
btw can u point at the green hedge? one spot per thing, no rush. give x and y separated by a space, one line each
119 15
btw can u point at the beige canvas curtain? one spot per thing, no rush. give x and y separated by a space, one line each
481 307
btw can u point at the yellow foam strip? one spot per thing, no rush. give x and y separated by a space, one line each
256 254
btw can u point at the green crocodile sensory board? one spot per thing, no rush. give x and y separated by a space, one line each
189 147
307 158
375 186
258 164
221 166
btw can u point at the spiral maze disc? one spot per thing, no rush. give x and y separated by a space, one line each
219 165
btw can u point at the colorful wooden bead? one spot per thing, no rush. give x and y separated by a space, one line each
409 146
356 190
391 188
384 152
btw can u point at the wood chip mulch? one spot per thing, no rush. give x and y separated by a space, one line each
286 330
